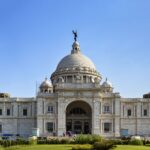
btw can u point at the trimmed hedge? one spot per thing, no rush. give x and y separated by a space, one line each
82 147
136 142
7 143
54 141
130 142
103 145
120 142
87 139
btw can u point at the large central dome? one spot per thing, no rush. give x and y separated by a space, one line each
75 67
75 60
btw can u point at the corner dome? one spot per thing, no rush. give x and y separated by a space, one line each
46 84
107 84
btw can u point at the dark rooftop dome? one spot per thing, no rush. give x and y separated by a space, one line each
147 95
4 95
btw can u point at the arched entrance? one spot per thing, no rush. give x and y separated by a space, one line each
79 117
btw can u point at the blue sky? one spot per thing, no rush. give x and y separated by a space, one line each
36 34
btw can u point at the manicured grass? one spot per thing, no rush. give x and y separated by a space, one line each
68 147
130 147
41 147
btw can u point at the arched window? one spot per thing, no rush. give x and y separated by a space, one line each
60 80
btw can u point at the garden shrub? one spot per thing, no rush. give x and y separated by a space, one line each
103 145
126 138
125 142
87 139
81 139
64 141
117 142
120 142
147 141
82 147
21 141
96 138
7 143
136 142
54 141
32 142
41 141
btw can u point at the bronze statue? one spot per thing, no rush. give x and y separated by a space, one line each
75 35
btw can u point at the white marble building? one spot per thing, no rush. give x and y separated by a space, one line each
74 99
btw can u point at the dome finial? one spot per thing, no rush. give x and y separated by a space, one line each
75 46
75 35
106 79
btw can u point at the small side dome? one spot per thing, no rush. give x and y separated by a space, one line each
46 86
4 95
107 84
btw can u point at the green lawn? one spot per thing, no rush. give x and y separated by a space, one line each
129 147
42 147
68 147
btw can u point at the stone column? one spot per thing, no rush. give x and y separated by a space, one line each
4 112
112 108
15 110
15 115
117 118
61 118
95 117
101 108
138 109
101 126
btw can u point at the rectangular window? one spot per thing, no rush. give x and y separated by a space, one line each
50 109
84 79
69 79
24 112
129 112
1 112
8 112
106 109
50 126
145 112
0 128
107 127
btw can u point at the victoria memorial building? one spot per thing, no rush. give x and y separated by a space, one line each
74 99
